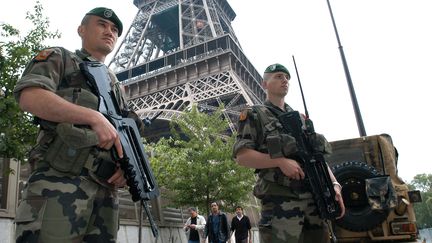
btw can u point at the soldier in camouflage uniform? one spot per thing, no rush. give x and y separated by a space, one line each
71 195
288 212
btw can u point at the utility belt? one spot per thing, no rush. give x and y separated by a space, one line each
73 150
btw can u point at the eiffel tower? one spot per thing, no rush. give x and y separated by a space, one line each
177 53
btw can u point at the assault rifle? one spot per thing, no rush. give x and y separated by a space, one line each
135 163
313 164
313 161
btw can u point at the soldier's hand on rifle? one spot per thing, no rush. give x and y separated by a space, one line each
106 133
117 179
291 168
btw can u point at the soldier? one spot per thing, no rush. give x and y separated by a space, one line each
71 195
288 212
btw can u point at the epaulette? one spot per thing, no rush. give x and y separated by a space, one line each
244 113
44 54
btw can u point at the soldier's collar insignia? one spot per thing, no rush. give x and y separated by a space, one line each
43 55
243 115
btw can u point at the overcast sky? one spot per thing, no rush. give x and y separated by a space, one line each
387 44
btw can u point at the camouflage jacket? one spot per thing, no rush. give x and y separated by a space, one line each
57 70
255 124
258 129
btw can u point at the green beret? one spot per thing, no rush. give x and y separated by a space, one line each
108 14
277 68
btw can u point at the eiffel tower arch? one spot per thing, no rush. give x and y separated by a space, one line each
177 53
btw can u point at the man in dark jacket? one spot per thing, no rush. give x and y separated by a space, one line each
217 228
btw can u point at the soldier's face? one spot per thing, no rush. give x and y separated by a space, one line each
277 84
98 35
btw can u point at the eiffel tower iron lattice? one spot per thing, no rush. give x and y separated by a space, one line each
182 52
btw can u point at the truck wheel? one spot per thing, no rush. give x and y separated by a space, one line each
359 215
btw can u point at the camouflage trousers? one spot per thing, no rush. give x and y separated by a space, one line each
57 207
291 220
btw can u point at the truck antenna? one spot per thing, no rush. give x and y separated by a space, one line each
360 125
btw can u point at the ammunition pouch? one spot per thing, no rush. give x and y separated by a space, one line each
70 148
380 192
278 145
281 145
319 143
80 96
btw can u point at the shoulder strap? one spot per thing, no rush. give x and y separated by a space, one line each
262 121
70 61
261 111
62 80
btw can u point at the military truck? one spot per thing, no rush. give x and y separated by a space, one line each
379 205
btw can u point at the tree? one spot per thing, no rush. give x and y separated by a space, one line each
423 210
423 182
195 165
17 133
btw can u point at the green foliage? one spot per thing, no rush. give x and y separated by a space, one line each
17 132
423 210
423 182
195 165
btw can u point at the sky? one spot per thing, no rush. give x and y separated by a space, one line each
387 45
